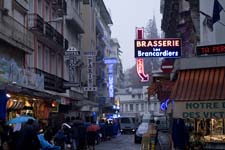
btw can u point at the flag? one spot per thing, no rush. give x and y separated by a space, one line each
207 21
217 8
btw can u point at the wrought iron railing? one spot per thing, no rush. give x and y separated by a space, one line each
35 22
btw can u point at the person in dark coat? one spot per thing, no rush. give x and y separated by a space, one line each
82 137
75 132
179 134
28 139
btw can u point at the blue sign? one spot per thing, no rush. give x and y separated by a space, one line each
164 105
169 48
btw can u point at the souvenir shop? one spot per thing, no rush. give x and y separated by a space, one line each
199 100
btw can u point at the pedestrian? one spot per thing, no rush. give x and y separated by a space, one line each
28 140
82 137
75 133
179 134
60 138
92 134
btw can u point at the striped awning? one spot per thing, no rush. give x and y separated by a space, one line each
200 84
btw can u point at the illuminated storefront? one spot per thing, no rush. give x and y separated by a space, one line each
199 99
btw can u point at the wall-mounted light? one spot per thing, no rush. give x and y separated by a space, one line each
54 104
8 95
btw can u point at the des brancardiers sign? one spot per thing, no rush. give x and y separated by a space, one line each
169 48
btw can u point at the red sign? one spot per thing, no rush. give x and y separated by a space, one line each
140 62
167 66
210 50
140 70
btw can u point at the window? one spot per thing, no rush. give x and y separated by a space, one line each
142 107
139 96
53 63
137 107
131 107
1 3
126 107
133 96
40 7
47 12
47 59
31 6
40 56
59 65
86 2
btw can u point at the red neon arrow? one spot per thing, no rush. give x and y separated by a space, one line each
140 70
140 62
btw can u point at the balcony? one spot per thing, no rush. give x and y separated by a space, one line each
15 33
52 38
35 23
48 30
52 82
74 18
58 37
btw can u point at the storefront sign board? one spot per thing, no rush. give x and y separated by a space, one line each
199 109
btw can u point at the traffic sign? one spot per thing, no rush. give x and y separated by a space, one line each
167 66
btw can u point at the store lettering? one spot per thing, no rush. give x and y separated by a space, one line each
206 109
209 105
203 114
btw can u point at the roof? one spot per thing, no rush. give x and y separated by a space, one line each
200 84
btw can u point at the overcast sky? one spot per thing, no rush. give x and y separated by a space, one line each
126 15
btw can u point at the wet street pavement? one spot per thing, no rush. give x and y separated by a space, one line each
121 142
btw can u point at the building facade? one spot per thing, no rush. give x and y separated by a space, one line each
199 74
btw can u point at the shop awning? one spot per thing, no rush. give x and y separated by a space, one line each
200 84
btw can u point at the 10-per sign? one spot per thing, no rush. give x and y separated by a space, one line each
210 50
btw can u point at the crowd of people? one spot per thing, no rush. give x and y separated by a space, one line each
73 134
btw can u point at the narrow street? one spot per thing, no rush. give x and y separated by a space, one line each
121 142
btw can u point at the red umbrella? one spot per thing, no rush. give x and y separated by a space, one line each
93 128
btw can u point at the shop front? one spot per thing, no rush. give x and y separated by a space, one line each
199 99
24 101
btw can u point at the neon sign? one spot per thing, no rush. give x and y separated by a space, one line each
140 70
210 50
140 62
111 86
164 105
158 48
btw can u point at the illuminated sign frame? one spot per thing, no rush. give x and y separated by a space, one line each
210 50
169 48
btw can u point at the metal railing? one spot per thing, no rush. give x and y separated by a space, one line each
35 22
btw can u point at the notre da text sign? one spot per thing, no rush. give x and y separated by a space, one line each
199 109
170 48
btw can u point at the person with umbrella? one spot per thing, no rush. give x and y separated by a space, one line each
28 139
92 134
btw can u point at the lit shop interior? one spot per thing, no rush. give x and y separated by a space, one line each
27 105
